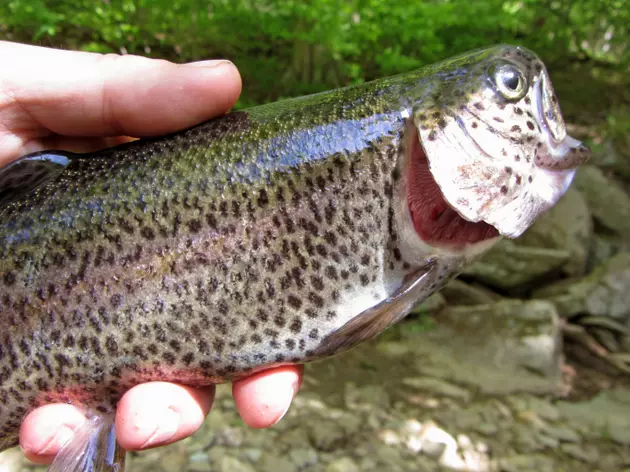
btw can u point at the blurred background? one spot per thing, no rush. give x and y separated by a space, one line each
523 362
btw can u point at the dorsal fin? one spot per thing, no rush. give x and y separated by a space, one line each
31 172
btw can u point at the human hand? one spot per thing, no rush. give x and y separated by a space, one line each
53 99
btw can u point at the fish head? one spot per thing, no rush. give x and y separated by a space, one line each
494 146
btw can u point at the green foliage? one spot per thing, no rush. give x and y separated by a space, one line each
291 47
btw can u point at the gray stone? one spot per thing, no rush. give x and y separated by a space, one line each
303 457
326 435
562 433
344 464
566 226
433 303
174 460
508 265
604 292
270 462
607 201
620 433
437 387
505 347
457 292
526 463
252 454
366 396
231 464
548 441
487 429
580 452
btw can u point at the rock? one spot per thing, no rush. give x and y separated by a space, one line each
566 226
486 429
366 396
432 304
437 387
435 442
270 462
231 464
303 457
580 452
345 464
604 292
252 454
620 434
562 433
326 435
509 265
603 417
457 292
607 201
525 463
174 460
509 346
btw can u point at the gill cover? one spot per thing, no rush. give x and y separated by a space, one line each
495 139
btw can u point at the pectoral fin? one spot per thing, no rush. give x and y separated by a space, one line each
29 173
377 319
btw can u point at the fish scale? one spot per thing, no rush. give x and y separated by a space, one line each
281 234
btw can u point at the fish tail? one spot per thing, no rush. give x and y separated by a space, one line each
93 448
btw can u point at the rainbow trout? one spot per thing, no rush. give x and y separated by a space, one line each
285 233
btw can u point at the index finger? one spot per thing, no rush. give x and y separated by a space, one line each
85 94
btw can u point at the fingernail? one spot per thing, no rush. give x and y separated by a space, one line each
291 392
210 63
166 427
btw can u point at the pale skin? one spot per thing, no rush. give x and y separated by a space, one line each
53 99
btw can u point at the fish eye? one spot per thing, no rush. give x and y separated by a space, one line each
510 81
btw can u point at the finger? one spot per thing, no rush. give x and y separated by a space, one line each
85 94
263 399
158 413
46 429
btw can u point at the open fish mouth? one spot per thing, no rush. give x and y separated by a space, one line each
498 162
436 221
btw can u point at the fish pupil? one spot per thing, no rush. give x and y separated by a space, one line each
511 80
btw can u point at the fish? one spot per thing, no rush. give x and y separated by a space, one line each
284 233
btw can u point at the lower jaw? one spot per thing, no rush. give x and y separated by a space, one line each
435 222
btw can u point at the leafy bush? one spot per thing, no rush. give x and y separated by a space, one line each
291 47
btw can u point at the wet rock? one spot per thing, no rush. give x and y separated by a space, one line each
504 347
525 463
605 416
562 433
436 442
365 396
326 435
303 457
620 434
604 292
607 201
457 292
231 464
580 452
432 304
509 265
345 464
566 226
174 460
270 462
437 387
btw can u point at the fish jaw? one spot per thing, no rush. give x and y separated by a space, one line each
497 161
